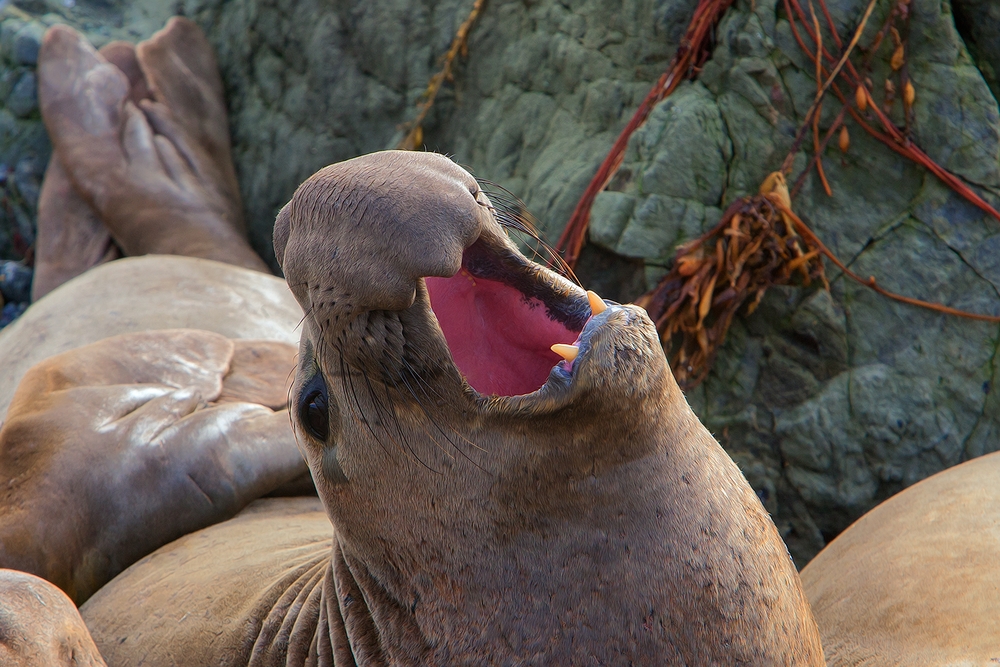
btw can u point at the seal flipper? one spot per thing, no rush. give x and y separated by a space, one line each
146 207
71 237
123 432
81 96
188 106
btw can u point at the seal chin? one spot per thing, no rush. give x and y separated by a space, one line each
512 325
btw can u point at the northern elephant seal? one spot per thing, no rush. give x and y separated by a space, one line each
916 581
491 503
143 294
240 330
116 448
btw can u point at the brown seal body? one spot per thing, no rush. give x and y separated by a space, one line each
114 449
490 503
39 626
144 294
916 581
182 375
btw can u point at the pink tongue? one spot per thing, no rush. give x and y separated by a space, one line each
498 338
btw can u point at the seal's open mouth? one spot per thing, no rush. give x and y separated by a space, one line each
501 315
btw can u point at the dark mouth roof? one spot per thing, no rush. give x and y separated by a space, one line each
500 315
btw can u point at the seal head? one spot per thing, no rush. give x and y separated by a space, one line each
493 501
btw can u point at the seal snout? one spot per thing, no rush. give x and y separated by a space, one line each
361 239
369 228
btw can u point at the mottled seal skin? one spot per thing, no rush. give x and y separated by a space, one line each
592 521
916 581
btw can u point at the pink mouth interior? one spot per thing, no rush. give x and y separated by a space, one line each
500 339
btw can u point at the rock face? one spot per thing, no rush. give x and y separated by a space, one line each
979 23
540 99
24 146
830 402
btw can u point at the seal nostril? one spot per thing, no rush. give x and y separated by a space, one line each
314 412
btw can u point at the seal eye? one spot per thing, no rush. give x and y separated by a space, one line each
314 413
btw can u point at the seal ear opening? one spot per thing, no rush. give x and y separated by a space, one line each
280 237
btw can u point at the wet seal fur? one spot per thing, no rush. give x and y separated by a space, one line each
591 520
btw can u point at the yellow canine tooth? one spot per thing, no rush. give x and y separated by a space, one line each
597 304
567 352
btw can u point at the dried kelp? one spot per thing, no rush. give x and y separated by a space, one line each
754 247
760 242
414 130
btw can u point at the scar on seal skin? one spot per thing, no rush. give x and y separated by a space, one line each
141 154
491 501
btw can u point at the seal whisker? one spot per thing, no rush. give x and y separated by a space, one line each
392 411
346 380
370 323
513 214
424 385
386 373
402 376
288 383
305 315
307 312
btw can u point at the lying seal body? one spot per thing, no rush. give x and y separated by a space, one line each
490 502
132 381
143 294
41 626
916 581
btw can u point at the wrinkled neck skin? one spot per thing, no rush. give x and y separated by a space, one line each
592 517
